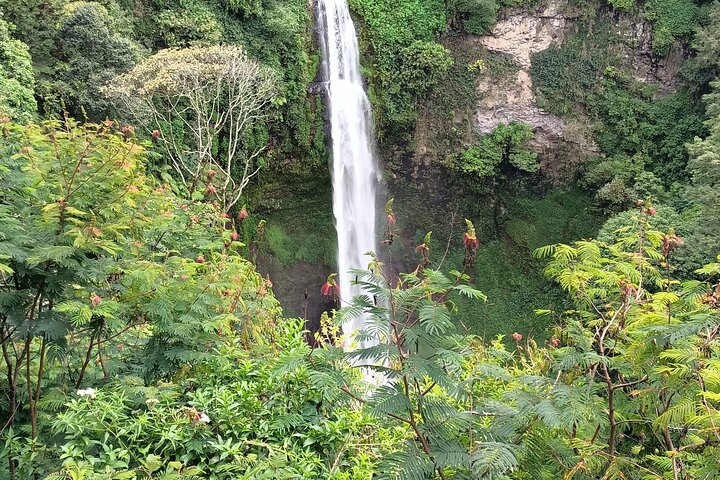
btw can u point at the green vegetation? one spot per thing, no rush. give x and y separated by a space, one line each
17 78
672 20
704 167
635 124
138 343
155 155
307 238
78 46
93 52
404 58
502 148
478 17
565 76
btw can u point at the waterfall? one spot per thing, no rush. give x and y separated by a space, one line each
354 167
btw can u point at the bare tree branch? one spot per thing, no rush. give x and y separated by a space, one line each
195 97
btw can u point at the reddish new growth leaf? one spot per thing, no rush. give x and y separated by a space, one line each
330 287
95 299
670 242
127 131
424 250
471 242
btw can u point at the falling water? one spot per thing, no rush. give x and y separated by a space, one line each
354 170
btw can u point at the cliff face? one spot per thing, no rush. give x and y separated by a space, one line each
508 94
510 98
524 32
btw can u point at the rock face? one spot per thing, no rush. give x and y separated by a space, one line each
514 101
639 59
505 93
520 34
524 32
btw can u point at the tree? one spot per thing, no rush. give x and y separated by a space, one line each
202 104
188 23
92 53
705 66
17 78
646 346
704 167
418 359
95 255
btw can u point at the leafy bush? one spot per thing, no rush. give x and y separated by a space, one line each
507 144
618 226
634 123
703 238
105 272
244 414
704 66
476 17
564 76
622 4
189 23
246 7
93 52
400 35
672 19
17 77
424 64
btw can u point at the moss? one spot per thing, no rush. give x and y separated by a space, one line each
302 230
510 222
506 272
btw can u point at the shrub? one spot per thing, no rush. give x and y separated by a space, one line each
507 144
248 414
672 19
105 272
93 52
477 17
424 65
17 78
399 36
189 23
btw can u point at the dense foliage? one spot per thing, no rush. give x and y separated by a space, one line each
17 78
104 272
504 147
155 155
138 349
405 58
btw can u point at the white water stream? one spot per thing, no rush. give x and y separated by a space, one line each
354 167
